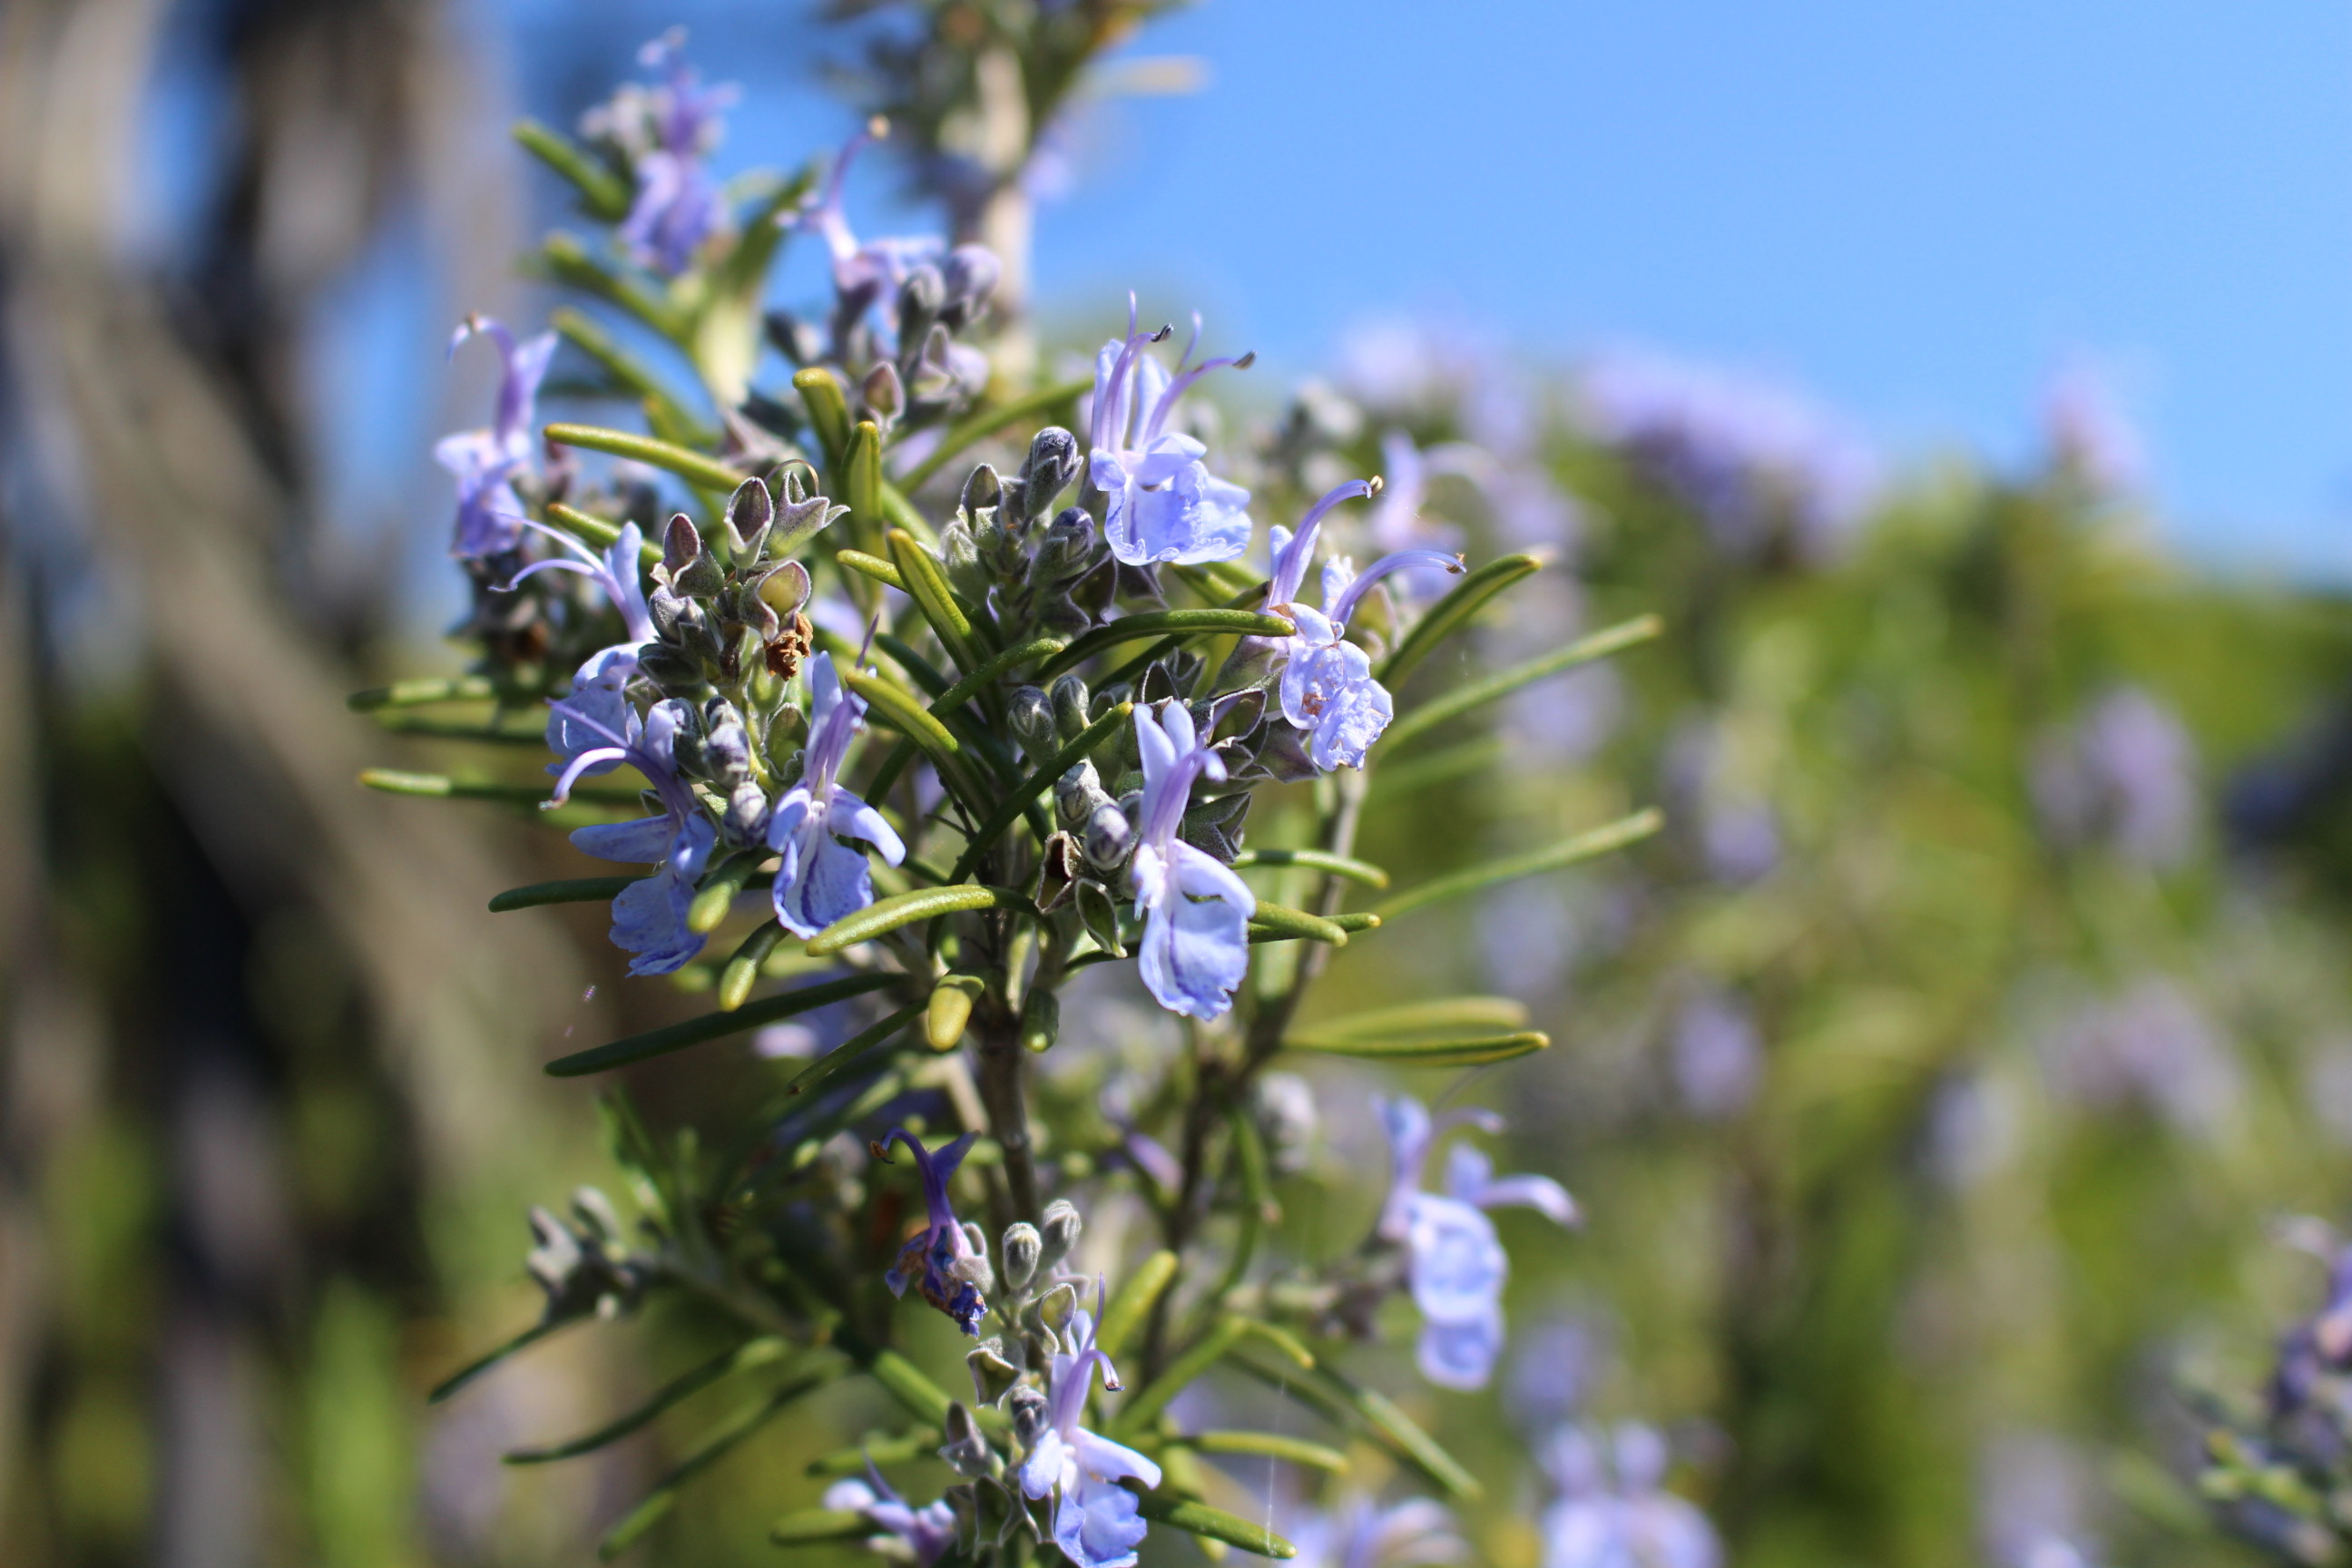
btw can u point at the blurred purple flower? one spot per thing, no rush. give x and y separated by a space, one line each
484 462
1094 1518
822 880
1196 909
666 132
1456 1265
1164 503
598 683
2033 1494
919 1534
1739 828
649 916
2151 1044
2089 436
1622 1521
2126 773
946 1261
1414 1533
865 272
1718 1057
1760 465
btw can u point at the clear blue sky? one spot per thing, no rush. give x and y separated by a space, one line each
1920 211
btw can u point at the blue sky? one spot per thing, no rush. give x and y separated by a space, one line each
1919 212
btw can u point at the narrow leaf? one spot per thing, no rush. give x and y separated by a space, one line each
979 426
706 473
995 669
828 410
571 890
926 582
743 969
417 693
905 908
720 889
392 781
1133 1304
1287 922
905 1381
905 714
1461 699
872 566
1366 1410
568 261
831 1064
1409 1019
1164 623
714 1447
1010 808
715 1026
1270 1445
595 531
1584 847
1450 614
1355 870
1136 1411
493 734
603 193
1200 1518
1348 925
1284 1342
488 1359
1466 1050
588 335
741 1358
815 1526
896 1450
861 480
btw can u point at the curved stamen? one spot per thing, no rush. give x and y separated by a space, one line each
1401 561
1177 385
580 764
1290 565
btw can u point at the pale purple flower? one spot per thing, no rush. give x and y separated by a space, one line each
945 1259
1759 464
1196 909
1456 1265
1396 521
2152 1044
867 273
1164 503
1328 690
2090 435
821 879
1096 1522
921 1535
2035 1493
1718 1056
484 462
1625 1520
2126 773
597 684
668 132
649 916
1414 1533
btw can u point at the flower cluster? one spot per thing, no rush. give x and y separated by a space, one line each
899 691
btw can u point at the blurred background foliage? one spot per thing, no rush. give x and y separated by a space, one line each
1931 1086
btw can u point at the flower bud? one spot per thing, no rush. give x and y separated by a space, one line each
1046 472
1068 545
1070 694
960 555
1027 1405
992 1374
920 298
965 1450
969 278
1109 836
1022 1247
1077 793
1030 712
982 491
750 513
1060 1232
1041 1020
886 398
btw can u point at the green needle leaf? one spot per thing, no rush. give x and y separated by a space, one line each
589 336
1584 847
1133 1304
896 1450
1363 871
905 1381
1137 1410
1450 614
392 781
1368 1410
1165 623
872 566
815 1526
717 895
1279 922
742 1358
706 473
1466 1050
713 1447
1268 1445
603 193
1411 1019
494 734
927 583
828 410
742 971
905 908
488 1359
595 531
715 1026
568 261
417 693
828 1067
979 426
905 714
1463 698
995 669
571 890
1200 1518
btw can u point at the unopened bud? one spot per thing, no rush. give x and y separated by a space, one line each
971 277
1041 1021
1052 464
965 1450
950 1010
982 491
886 398
1027 1405
1060 1232
1109 836
1030 712
1070 694
960 555
1022 1247
750 511
1076 793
